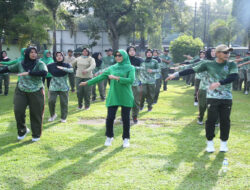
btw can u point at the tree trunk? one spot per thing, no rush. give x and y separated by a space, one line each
54 32
1 47
248 31
142 41
113 35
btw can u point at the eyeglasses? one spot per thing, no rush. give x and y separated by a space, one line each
118 55
225 52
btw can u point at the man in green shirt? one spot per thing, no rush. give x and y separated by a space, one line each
107 61
165 66
221 74
244 71
148 70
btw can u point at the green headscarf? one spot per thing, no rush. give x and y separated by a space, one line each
21 58
45 59
125 65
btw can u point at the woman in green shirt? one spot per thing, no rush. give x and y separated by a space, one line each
121 76
47 59
29 92
59 86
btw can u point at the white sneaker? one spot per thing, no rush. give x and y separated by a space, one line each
210 146
108 141
22 137
35 139
126 143
199 122
52 118
246 92
195 103
63 120
223 146
217 125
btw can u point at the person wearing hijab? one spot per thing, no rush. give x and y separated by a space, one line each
98 69
85 65
18 60
29 92
47 59
59 86
121 76
136 86
4 77
158 76
147 76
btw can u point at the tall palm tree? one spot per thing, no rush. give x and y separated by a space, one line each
52 6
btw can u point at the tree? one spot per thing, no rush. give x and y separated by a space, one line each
224 31
113 13
185 45
8 11
53 7
241 13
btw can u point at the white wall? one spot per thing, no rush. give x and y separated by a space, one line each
65 41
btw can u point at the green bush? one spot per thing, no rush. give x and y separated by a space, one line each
185 45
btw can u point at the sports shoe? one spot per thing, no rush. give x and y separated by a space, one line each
126 143
150 109
223 146
199 122
210 146
87 108
135 120
141 108
246 92
79 107
35 139
217 124
22 137
108 141
63 120
52 118
195 103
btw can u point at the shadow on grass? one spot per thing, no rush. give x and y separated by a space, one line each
18 144
14 183
201 177
86 150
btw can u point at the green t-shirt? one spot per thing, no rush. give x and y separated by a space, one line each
146 77
60 83
120 92
216 72
163 64
29 83
246 59
108 61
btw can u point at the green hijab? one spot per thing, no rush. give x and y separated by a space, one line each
125 65
45 59
21 58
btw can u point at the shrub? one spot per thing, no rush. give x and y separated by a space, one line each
185 45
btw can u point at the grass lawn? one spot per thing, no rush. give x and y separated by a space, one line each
167 149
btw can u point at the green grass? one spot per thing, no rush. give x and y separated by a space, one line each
167 149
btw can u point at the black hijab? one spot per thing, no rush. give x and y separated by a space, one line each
208 54
148 59
135 61
29 64
52 68
98 62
